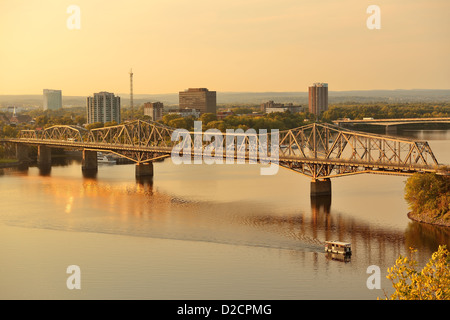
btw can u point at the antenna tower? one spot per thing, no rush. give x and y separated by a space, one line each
131 94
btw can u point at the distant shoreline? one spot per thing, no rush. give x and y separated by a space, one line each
256 98
8 164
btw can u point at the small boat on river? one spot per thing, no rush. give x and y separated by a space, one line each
104 158
338 247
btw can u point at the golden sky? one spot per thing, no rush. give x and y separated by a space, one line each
223 45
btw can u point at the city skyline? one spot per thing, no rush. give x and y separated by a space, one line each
231 46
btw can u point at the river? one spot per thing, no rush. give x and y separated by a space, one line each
203 232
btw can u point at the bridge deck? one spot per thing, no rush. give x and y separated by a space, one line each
317 150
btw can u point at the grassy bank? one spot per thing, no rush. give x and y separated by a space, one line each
7 161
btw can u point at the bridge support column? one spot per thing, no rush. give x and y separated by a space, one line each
144 170
89 162
321 188
44 160
44 157
22 155
391 130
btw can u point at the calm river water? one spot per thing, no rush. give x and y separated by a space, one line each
203 232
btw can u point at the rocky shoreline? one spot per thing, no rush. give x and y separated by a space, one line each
423 218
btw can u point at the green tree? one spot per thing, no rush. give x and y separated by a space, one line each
207 118
80 120
428 194
168 117
110 123
431 283
217 124
178 123
41 121
9 131
94 125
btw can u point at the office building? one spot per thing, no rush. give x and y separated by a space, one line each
154 110
186 112
223 114
198 99
318 98
103 107
52 99
270 106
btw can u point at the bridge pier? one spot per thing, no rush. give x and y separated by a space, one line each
320 205
89 164
44 157
144 170
321 188
22 155
390 130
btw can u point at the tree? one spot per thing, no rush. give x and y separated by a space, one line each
111 123
94 125
432 283
428 194
178 123
168 117
80 120
41 120
9 131
216 124
207 118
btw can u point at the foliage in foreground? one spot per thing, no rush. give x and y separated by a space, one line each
431 283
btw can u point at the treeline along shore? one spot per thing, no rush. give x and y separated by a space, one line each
428 196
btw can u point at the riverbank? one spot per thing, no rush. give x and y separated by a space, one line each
8 163
443 221
428 196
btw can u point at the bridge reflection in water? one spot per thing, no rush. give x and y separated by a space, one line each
141 210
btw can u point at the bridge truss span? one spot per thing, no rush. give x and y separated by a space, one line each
319 151
324 151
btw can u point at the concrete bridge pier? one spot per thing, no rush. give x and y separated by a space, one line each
391 130
144 170
89 164
320 205
22 155
44 157
44 160
321 188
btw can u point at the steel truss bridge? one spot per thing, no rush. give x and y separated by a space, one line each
391 122
319 151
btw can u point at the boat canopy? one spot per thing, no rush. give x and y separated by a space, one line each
339 243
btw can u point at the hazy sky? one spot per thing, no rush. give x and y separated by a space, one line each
224 45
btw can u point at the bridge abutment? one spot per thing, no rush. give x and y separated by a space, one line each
144 170
89 163
321 188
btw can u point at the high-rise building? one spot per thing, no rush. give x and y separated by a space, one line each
198 98
154 110
52 99
318 98
103 107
